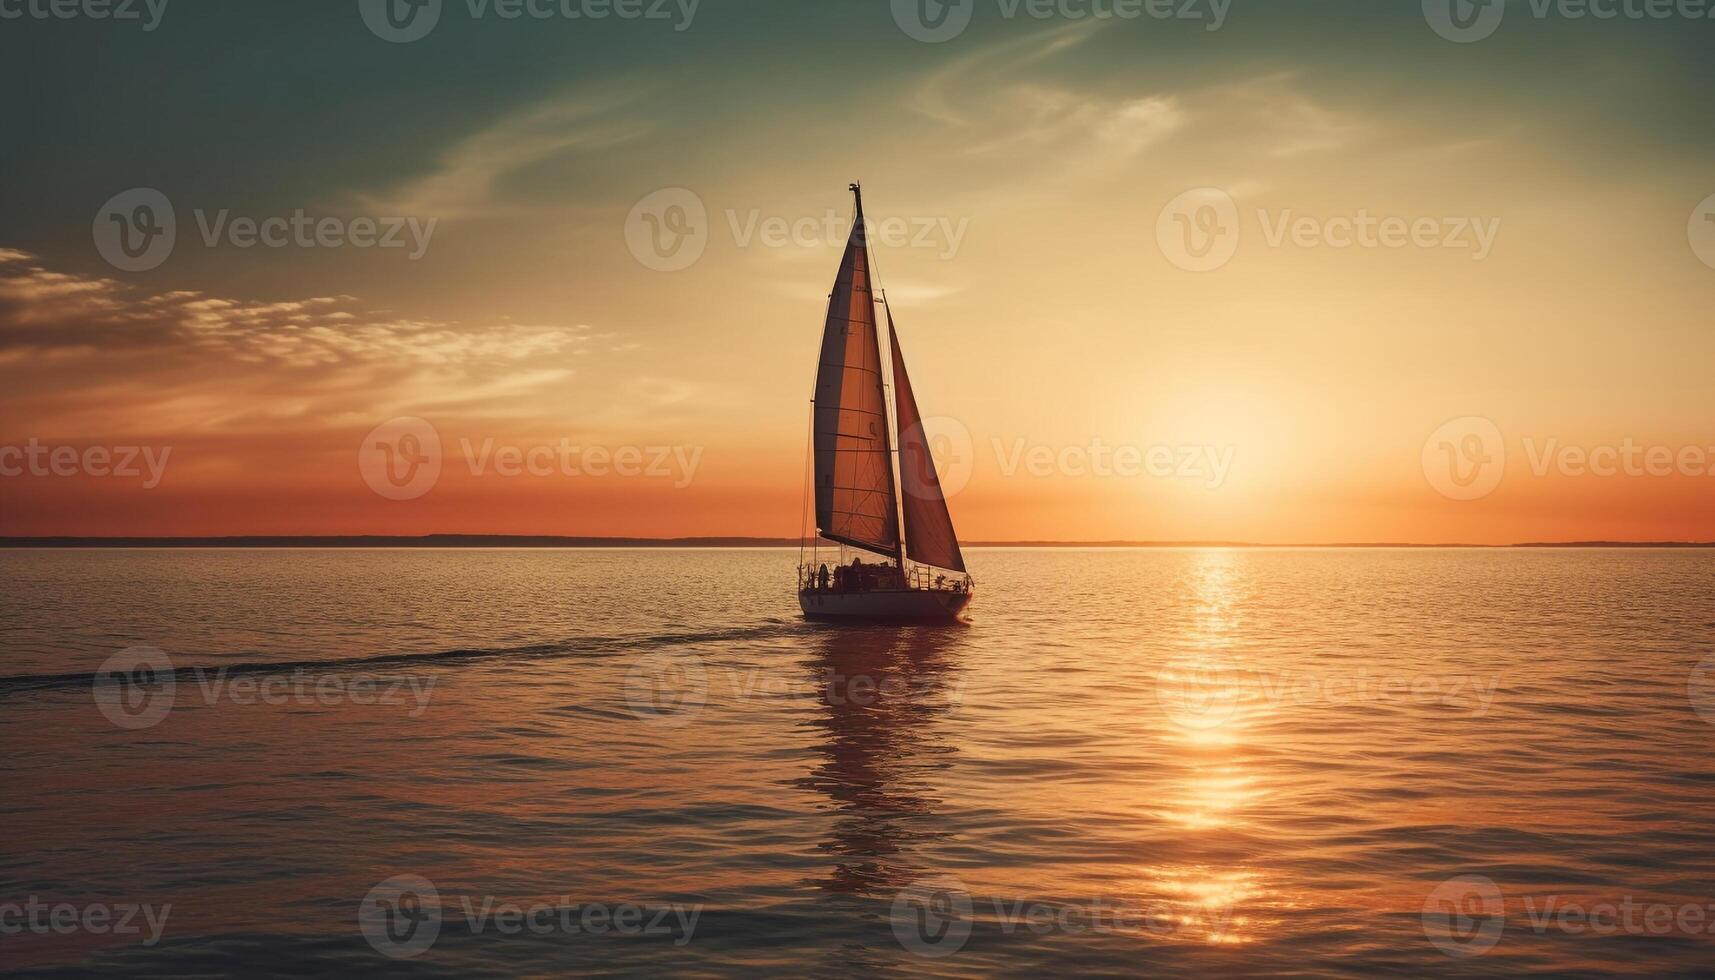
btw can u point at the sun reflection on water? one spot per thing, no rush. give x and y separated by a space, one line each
1213 718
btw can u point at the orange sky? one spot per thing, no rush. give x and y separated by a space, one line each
1297 388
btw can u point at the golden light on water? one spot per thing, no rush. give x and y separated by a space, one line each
1210 802
1211 720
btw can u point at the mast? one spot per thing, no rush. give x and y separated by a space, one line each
892 405
898 460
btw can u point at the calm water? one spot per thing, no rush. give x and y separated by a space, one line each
1129 762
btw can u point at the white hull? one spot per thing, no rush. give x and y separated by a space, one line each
885 604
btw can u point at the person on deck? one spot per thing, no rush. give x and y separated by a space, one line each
822 577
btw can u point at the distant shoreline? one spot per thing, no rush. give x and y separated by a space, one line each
554 541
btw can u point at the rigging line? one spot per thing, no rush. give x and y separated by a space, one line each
809 478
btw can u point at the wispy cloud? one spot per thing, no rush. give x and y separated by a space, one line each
46 310
466 182
1009 109
1019 110
86 354
946 96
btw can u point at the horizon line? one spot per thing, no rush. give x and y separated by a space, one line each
702 541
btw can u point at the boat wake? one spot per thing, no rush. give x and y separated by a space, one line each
580 648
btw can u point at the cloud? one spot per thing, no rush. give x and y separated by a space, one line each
1022 113
45 310
945 94
467 181
991 95
1005 109
82 354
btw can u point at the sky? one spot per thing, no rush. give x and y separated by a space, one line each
1273 272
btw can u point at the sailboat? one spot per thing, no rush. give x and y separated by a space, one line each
877 493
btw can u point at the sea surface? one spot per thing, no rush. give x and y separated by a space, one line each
1128 762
